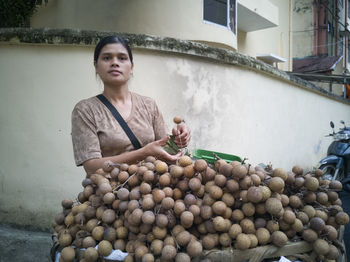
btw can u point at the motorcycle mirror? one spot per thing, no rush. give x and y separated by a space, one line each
342 122
332 126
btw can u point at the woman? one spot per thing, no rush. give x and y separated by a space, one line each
96 134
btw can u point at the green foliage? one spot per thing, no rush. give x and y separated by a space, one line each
16 13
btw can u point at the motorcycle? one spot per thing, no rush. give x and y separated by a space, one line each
336 166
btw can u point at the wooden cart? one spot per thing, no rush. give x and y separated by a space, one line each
294 251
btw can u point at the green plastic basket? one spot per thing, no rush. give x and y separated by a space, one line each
210 156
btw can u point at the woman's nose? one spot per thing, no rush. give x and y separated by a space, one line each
115 61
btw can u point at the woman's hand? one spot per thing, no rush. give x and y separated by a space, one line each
152 149
182 135
155 149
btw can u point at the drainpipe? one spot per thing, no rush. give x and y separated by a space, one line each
337 37
346 38
346 44
322 35
315 9
290 55
320 28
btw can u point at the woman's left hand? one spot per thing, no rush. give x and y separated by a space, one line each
156 149
182 135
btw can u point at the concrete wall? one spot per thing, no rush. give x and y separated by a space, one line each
38 88
232 103
181 19
276 40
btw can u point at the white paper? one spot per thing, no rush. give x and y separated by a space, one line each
283 259
116 255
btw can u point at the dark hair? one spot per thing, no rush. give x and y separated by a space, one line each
111 40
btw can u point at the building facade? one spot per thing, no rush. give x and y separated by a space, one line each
321 44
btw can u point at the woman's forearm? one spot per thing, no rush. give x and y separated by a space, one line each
131 157
152 149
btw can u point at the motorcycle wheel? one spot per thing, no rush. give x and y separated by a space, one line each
328 172
346 187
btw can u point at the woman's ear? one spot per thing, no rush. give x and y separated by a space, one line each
95 65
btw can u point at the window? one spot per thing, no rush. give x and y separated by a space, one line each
215 11
221 12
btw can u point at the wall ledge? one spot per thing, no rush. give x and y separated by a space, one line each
165 44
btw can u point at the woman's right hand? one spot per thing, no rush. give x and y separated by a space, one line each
155 149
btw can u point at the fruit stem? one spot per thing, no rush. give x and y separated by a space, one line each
216 156
177 245
122 185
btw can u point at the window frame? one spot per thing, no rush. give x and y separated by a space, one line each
348 49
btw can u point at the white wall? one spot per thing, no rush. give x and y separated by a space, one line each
242 112
229 108
39 86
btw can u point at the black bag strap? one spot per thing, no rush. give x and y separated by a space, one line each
135 142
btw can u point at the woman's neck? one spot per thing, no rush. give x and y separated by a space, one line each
117 95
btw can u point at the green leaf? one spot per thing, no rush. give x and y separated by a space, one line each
169 150
172 143
171 146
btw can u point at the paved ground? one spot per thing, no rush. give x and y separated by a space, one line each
25 245
19 244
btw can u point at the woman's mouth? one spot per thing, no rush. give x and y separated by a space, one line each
115 72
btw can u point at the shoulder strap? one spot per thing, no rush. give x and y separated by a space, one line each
135 142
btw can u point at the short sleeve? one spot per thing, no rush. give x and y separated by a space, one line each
159 126
85 140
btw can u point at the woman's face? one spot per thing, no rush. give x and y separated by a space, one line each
113 65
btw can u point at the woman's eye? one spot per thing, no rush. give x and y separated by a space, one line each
106 58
